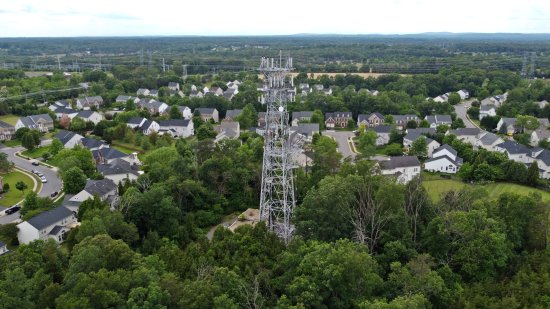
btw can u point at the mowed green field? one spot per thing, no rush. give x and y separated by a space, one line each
11 119
437 187
13 195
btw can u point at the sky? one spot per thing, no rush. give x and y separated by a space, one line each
66 18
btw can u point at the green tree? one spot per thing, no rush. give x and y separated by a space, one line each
527 122
394 150
74 180
28 141
388 119
5 164
457 123
367 143
533 174
326 158
56 146
130 105
21 186
206 131
419 147
454 98
424 124
248 117
351 124
412 124
77 124
175 112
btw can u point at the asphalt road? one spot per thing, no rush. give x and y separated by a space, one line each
461 110
54 182
341 138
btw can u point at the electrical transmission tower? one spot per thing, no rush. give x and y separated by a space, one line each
277 196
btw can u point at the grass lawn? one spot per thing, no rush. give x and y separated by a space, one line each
436 187
126 147
13 195
11 119
36 152
12 143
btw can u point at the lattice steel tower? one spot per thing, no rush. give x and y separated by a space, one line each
277 196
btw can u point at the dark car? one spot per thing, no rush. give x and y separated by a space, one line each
54 194
12 210
35 163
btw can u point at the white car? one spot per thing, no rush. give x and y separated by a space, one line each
43 179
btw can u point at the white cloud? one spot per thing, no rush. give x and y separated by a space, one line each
215 17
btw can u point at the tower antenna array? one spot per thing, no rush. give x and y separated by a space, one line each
277 195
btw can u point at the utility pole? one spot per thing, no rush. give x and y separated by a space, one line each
277 199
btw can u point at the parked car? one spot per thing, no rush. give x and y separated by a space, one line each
12 210
43 179
39 174
54 194
34 171
35 163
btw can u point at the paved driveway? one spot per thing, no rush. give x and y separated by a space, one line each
54 182
341 138
461 110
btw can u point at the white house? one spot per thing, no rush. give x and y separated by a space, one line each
464 94
142 92
118 171
185 112
413 134
88 115
444 159
404 168
438 120
106 189
488 141
507 126
177 127
538 136
543 161
442 98
149 127
89 102
487 110
69 139
53 224
382 134
467 135
304 116
515 151
208 114
228 129
135 122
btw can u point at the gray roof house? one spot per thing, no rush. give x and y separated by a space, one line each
119 171
106 189
405 168
445 160
438 120
69 139
303 116
92 143
7 131
89 102
107 155
382 134
488 141
42 123
306 129
228 129
177 127
231 114
515 151
208 114
467 135
53 224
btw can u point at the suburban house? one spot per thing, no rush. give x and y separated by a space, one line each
185 112
404 168
173 86
89 115
542 104
7 131
304 88
93 144
135 122
89 102
538 136
515 151
306 129
232 114
42 123
62 112
488 141
413 134
230 93
543 162
124 98
487 110
149 127
464 94
228 129
119 171
402 120
69 139
444 159
234 84
217 91
382 134
442 98
106 189
507 126
467 135
153 106
372 120
196 94
59 104
438 120
3 248
107 155
337 119
53 224
208 114
298 117
177 127
142 92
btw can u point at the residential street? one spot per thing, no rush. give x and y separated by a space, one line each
341 138
461 110
53 184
